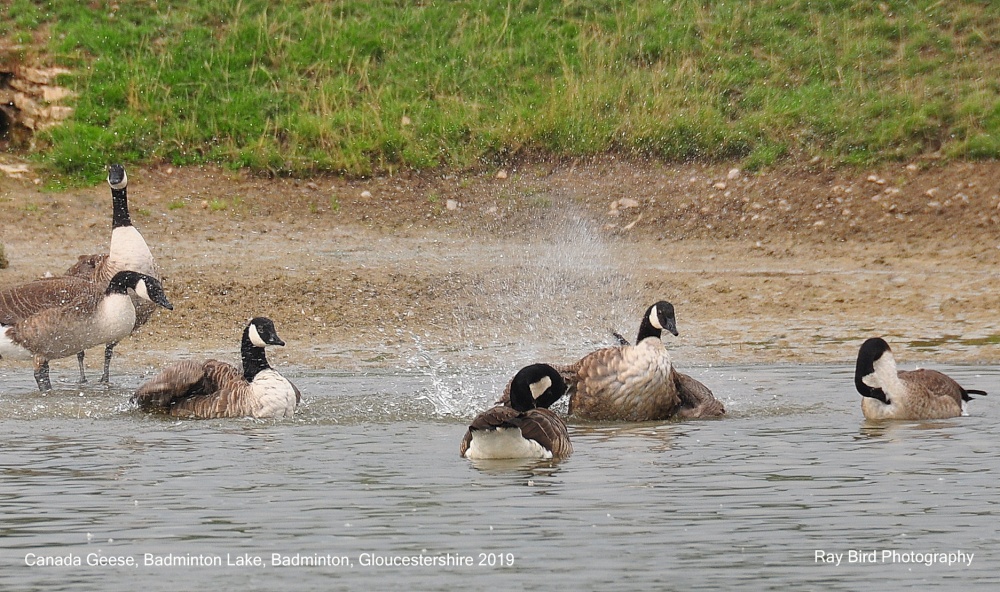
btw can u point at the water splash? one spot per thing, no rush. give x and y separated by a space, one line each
550 298
455 390
563 289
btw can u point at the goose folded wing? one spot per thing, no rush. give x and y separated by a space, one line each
599 370
21 302
544 427
933 384
497 417
86 266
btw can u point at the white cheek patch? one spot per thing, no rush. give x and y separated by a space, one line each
141 290
870 380
654 319
255 337
539 387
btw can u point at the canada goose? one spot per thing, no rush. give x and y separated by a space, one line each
128 251
627 382
696 399
521 430
214 389
54 318
888 393
27 299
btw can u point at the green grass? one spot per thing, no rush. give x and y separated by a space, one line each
302 87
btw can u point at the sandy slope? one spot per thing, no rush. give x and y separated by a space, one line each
544 258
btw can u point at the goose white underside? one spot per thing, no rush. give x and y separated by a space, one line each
274 395
10 350
504 443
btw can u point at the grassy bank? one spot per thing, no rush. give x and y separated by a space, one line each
356 87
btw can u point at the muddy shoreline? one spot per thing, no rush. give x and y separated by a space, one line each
544 259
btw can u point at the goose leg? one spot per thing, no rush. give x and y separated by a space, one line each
83 375
42 375
108 352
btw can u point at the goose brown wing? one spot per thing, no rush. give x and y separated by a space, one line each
86 266
222 392
931 385
505 399
494 418
696 399
546 428
183 379
21 302
626 383
49 332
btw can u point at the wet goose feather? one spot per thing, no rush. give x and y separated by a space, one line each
128 251
213 389
521 430
54 318
888 393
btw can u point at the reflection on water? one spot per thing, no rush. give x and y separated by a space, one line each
370 468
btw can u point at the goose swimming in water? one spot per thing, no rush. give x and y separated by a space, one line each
888 393
521 430
697 400
54 318
637 382
212 389
128 251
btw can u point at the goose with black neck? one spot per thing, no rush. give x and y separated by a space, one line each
213 389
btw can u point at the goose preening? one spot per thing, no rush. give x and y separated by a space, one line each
522 430
54 318
128 251
637 382
212 389
888 393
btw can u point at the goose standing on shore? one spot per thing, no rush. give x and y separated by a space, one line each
521 430
888 393
212 389
78 314
128 251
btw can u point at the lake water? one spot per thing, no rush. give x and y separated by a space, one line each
367 476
